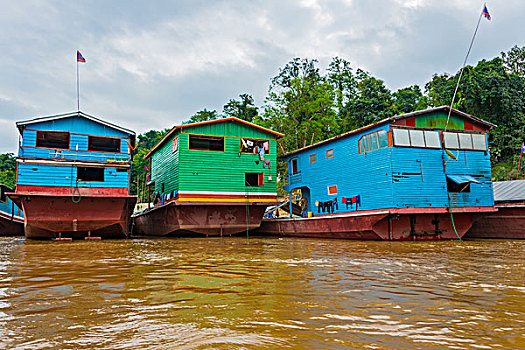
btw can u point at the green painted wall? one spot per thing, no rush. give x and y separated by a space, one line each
165 167
195 170
439 120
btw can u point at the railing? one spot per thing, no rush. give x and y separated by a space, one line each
297 177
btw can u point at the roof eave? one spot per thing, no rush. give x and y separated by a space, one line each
22 123
489 126
177 127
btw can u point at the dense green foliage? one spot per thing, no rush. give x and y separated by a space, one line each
7 169
308 106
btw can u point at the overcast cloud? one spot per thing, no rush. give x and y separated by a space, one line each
152 64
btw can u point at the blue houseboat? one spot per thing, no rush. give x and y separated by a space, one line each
73 175
11 217
406 177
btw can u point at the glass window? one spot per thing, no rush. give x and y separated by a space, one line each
451 140
416 138
383 138
432 139
465 141
52 139
313 158
206 143
479 142
330 153
374 144
104 144
401 137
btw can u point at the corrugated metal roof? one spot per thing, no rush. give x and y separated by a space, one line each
509 191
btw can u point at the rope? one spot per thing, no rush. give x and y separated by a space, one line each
462 68
452 220
75 191
448 197
247 211
450 111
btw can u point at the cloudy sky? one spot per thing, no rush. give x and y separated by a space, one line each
152 64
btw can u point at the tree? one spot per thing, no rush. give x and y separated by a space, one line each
408 100
300 105
491 92
514 60
244 109
342 79
8 169
372 102
296 68
145 143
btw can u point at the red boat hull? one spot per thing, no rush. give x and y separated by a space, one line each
48 216
507 223
10 227
180 218
388 224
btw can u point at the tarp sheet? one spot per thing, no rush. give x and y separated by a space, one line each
462 179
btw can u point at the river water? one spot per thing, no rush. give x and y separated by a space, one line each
261 293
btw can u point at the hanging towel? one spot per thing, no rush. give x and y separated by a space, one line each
267 146
249 143
357 201
261 153
255 150
343 199
267 162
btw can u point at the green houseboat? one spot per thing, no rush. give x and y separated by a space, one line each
214 178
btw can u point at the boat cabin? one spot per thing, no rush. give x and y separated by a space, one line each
225 160
413 160
61 153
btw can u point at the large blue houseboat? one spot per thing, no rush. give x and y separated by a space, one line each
73 175
11 217
407 177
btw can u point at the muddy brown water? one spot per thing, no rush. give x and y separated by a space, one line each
261 293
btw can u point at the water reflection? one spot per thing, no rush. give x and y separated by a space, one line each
261 293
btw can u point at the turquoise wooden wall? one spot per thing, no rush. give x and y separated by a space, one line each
65 175
388 177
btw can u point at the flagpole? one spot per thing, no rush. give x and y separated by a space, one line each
78 94
463 67
519 162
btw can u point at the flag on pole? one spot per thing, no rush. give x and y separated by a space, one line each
523 147
486 12
79 57
146 168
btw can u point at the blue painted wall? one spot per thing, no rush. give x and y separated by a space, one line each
390 177
8 207
65 175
